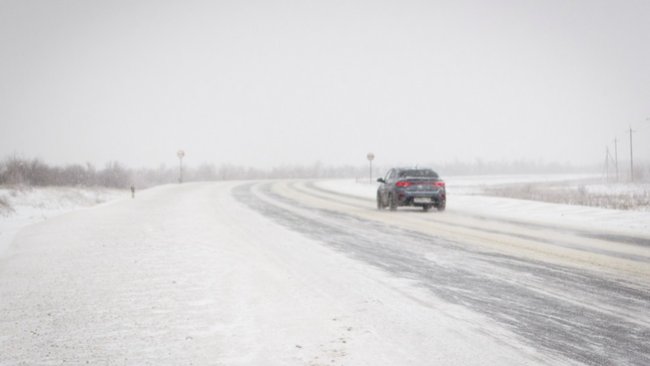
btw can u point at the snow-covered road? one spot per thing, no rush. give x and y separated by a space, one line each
291 273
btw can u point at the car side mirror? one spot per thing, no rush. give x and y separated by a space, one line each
381 180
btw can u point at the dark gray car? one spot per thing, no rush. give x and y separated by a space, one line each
411 187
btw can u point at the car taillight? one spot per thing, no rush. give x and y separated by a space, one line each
440 184
402 184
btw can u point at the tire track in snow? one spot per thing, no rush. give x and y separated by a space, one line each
613 239
568 313
617 238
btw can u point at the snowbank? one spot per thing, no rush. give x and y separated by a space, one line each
22 206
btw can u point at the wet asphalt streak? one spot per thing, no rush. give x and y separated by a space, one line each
564 312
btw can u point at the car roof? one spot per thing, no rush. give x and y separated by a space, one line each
412 168
407 168
399 171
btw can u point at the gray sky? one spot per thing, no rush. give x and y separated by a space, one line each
265 83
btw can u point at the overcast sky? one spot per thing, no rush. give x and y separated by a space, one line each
266 83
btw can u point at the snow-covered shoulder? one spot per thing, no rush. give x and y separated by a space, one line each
21 206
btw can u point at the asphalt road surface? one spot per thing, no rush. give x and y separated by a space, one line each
584 296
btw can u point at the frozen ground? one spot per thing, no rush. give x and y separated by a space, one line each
310 273
26 206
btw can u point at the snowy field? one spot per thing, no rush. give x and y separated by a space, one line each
583 192
310 273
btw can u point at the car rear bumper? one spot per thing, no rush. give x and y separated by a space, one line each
420 198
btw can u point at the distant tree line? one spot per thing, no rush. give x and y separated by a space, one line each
35 172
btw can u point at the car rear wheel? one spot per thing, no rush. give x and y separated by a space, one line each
426 208
392 201
441 205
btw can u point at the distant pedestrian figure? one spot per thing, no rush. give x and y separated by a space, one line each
132 191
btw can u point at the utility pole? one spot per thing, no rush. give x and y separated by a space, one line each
631 158
616 157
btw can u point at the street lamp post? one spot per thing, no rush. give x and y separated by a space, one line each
370 157
180 155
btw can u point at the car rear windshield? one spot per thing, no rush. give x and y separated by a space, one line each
418 173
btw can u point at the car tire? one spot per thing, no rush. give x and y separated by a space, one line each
441 205
426 208
380 203
392 201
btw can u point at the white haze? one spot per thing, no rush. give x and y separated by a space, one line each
266 83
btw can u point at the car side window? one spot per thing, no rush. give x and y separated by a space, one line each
389 175
393 174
